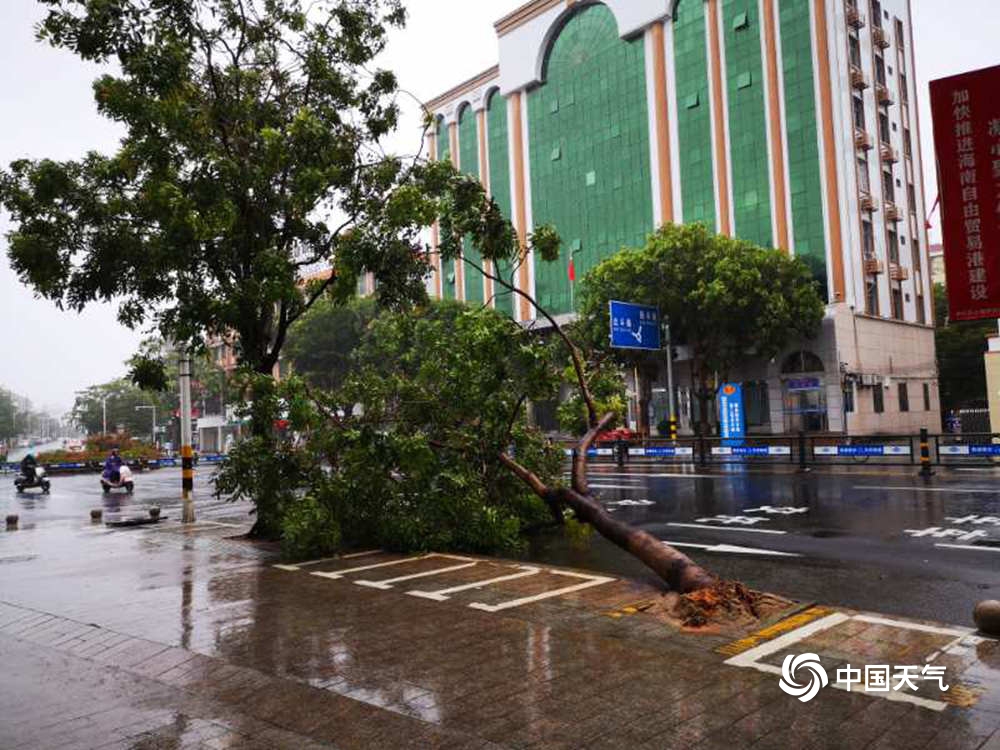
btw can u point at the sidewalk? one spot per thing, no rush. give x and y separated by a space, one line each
174 638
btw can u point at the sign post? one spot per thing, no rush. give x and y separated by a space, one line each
966 112
635 327
671 398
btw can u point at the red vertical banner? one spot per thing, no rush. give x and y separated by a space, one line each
966 112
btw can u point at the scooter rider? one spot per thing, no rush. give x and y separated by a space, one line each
112 466
28 466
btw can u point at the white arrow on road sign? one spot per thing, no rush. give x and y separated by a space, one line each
733 549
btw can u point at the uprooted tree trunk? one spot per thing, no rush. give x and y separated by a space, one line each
675 568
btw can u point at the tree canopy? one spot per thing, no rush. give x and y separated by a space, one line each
960 350
725 298
322 342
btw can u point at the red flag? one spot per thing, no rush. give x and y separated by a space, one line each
572 270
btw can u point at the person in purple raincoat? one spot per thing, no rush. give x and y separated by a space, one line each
112 467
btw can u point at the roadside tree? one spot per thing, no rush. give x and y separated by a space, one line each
960 350
726 299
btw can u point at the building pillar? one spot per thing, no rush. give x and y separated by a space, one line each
484 177
520 199
719 115
664 164
457 163
775 127
435 230
829 150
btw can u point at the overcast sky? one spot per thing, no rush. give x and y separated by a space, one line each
47 111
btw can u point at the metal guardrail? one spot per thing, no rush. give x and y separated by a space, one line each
96 466
806 451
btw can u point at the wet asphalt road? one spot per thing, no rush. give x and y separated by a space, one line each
72 497
874 538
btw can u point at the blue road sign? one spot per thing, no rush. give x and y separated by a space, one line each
731 415
635 326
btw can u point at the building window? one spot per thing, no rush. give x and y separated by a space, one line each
927 397
900 35
893 247
757 403
855 50
904 397
911 195
883 127
897 303
859 112
864 182
876 13
880 70
878 399
916 255
904 89
921 315
907 143
871 295
888 187
867 240
849 399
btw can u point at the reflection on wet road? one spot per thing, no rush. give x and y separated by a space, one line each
832 537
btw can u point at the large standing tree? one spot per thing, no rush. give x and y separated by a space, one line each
960 349
726 299
247 124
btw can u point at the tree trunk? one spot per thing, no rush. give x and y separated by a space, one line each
675 568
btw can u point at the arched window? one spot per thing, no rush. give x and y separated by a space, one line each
801 362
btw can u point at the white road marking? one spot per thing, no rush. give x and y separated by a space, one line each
387 584
955 491
725 528
751 658
611 486
590 582
633 503
969 546
443 594
954 632
334 574
299 566
674 475
733 549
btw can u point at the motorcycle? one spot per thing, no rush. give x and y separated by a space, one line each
38 480
124 481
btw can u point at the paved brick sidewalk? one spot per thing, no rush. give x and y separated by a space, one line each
181 638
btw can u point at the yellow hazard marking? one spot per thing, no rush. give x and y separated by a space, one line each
631 609
961 696
769 633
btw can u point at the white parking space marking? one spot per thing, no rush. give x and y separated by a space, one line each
334 574
387 584
725 528
299 566
733 549
953 491
591 581
969 546
752 657
443 594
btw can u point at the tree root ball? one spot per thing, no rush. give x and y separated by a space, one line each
987 616
12 520
96 514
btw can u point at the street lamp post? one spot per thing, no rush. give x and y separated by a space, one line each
187 452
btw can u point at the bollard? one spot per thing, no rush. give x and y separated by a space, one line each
802 451
702 450
673 429
12 521
987 617
925 454
620 445
154 513
96 514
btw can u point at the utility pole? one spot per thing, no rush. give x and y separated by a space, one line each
671 397
104 415
187 452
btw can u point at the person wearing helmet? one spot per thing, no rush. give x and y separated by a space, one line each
112 466
28 465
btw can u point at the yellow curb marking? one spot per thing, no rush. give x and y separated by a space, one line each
961 696
630 609
780 628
